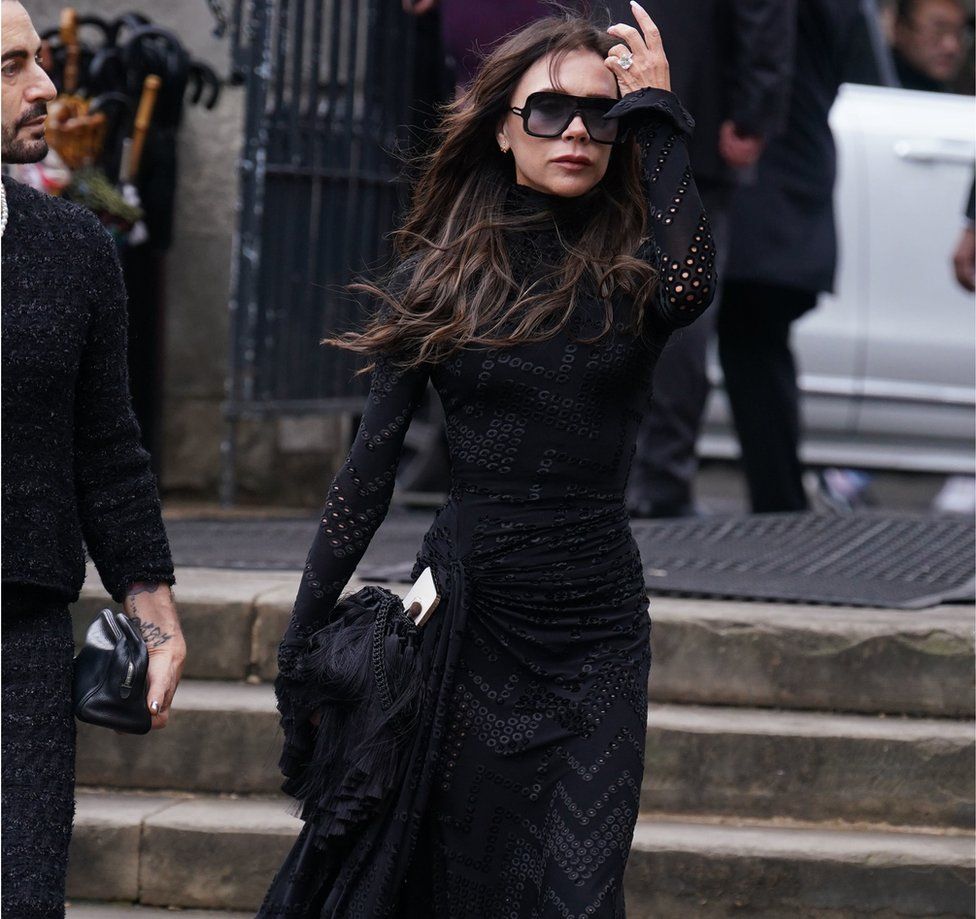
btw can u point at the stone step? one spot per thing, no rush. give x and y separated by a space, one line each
221 853
708 870
88 910
224 738
705 652
821 658
809 766
170 850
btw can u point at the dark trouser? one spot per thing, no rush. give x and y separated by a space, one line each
760 379
665 464
38 753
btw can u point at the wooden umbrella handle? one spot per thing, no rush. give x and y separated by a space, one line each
69 39
68 26
147 102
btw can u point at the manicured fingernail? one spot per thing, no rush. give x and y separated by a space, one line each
154 707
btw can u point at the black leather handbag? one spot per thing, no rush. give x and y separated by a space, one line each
110 676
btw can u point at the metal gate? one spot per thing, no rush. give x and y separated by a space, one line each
328 86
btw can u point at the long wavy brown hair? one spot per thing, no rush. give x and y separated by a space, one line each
457 288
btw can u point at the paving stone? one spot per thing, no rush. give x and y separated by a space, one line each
810 766
814 657
708 871
215 852
106 843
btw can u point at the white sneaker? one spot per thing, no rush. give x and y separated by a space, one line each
957 496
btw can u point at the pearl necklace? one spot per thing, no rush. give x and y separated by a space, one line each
3 208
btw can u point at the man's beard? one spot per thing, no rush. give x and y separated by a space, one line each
23 151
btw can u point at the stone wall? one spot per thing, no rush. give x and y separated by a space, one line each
279 461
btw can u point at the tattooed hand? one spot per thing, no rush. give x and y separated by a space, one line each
151 608
152 634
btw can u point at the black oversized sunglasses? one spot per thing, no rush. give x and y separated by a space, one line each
548 114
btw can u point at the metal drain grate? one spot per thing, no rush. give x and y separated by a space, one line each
869 559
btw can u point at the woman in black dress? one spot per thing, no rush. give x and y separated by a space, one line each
555 242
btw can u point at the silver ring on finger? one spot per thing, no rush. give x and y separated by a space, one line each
626 60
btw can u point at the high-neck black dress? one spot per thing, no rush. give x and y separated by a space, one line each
521 783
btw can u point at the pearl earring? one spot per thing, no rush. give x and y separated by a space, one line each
503 146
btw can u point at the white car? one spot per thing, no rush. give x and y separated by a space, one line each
888 363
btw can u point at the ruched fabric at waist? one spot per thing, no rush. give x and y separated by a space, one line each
488 528
546 551
539 497
548 581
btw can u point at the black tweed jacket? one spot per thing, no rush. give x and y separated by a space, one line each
72 465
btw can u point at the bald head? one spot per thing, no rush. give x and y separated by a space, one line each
26 88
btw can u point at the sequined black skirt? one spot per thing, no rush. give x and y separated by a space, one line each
38 753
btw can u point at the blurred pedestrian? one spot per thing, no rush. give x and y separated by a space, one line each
929 43
958 492
73 469
730 64
964 255
471 27
534 293
783 254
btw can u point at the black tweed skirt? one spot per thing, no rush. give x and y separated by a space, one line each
38 753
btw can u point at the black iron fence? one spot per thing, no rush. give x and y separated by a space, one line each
328 92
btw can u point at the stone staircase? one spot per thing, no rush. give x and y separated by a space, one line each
801 761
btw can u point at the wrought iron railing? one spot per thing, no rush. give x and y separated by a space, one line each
328 94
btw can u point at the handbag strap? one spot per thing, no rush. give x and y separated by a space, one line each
390 617
380 629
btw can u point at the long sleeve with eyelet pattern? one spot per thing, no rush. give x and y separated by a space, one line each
679 242
359 496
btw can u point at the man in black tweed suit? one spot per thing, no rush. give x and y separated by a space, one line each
72 471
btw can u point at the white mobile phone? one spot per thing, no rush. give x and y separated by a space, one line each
422 598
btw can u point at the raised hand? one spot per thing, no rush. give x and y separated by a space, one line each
639 61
